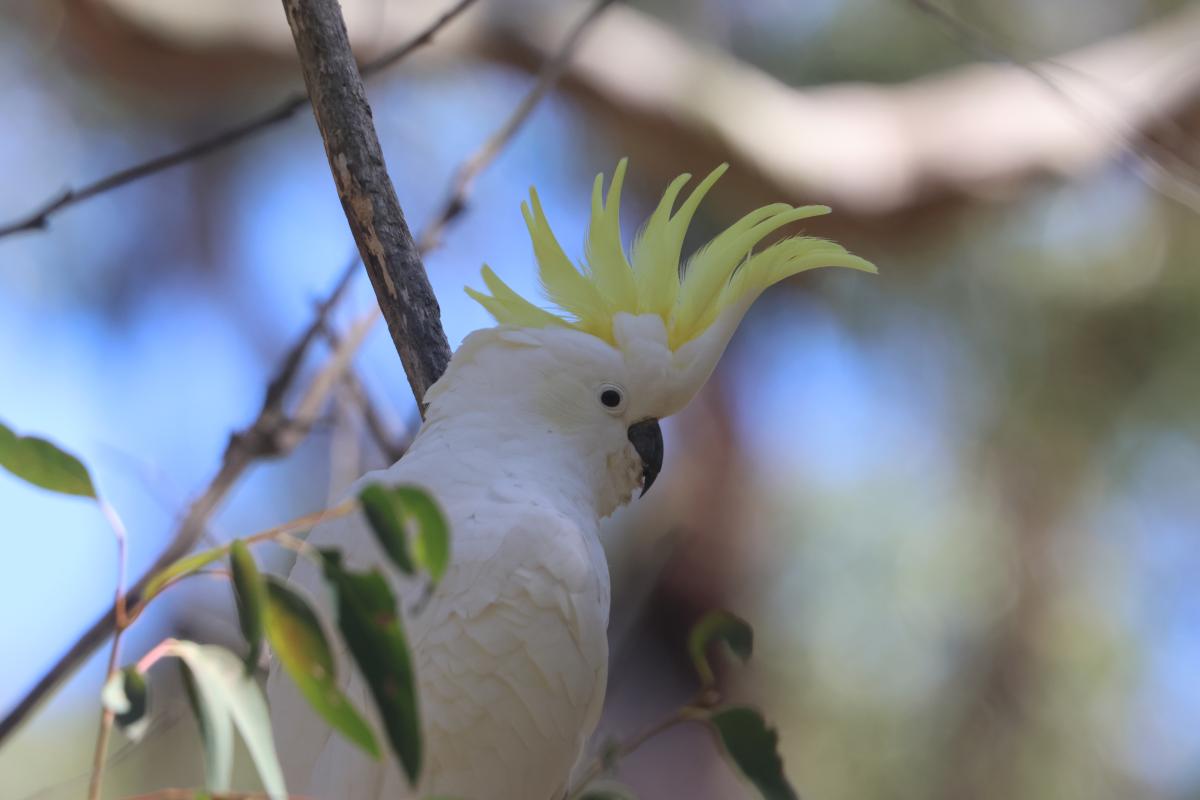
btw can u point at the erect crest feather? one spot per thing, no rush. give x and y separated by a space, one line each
720 274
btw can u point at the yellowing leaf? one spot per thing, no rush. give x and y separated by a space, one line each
718 626
299 642
250 593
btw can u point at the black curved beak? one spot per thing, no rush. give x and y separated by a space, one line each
647 439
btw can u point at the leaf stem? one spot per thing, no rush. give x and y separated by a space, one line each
687 713
122 617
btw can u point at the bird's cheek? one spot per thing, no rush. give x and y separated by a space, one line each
625 470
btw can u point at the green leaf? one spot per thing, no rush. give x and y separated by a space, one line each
183 567
395 512
753 748
383 513
718 626
224 697
295 633
43 464
251 595
372 629
126 695
432 545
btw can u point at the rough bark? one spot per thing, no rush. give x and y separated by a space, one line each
366 191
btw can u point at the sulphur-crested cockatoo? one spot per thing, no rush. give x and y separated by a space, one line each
540 427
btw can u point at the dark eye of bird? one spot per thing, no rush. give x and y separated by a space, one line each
611 398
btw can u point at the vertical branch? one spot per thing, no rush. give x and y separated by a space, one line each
122 618
368 197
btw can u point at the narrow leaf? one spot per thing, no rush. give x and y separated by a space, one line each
718 626
400 512
126 695
431 548
383 513
250 593
181 568
216 729
43 464
295 633
753 748
373 631
225 697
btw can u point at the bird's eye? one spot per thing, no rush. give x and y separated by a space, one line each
611 397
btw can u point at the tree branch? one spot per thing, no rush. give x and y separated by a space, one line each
368 197
551 71
678 716
875 151
264 437
273 432
39 218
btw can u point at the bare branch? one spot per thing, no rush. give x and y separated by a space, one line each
982 130
119 613
687 713
368 197
391 445
261 439
464 178
39 218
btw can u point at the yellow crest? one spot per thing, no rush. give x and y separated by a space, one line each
650 280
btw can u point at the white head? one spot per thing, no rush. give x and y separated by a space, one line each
638 338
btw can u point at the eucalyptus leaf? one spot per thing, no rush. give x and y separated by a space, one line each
383 515
224 698
718 626
299 643
126 695
250 592
410 528
181 568
44 464
754 749
431 547
373 630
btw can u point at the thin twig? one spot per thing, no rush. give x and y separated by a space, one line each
464 178
120 613
392 446
603 762
39 218
369 200
1163 169
261 439
301 523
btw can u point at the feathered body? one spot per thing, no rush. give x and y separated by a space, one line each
527 444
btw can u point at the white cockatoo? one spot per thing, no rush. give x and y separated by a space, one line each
542 426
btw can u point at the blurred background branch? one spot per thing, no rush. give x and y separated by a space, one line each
39 218
977 131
